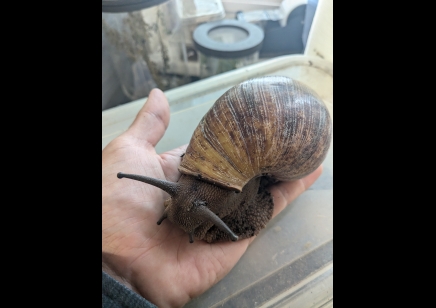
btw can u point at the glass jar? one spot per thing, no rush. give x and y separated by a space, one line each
226 45
192 13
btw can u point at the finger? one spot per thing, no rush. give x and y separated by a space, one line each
153 118
285 192
179 151
170 161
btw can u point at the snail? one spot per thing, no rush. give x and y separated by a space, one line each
260 131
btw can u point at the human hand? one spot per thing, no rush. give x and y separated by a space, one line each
158 262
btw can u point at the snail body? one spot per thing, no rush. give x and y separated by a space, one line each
259 132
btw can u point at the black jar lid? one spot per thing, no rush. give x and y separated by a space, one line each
118 6
243 39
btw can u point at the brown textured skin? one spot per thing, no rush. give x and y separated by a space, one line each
248 218
268 129
245 213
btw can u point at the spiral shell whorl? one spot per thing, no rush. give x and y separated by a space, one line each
269 125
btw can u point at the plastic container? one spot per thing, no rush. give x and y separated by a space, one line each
226 45
283 27
140 35
192 13
261 17
310 12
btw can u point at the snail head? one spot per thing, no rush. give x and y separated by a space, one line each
188 202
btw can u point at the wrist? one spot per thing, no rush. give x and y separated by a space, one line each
159 301
112 272
116 294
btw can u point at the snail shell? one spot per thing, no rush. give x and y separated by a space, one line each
261 131
272 126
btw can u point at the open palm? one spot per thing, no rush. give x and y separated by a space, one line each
158 262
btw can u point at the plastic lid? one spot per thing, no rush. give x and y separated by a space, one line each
228 38
199 11
118 6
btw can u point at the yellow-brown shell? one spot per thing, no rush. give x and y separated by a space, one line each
264 126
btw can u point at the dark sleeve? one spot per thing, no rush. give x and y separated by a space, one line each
114 294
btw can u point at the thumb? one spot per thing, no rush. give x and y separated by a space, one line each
153 118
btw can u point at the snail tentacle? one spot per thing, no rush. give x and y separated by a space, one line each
167 186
